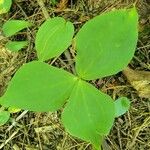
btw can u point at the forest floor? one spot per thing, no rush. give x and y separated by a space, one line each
44 131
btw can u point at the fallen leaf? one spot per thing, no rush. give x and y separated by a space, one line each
140 80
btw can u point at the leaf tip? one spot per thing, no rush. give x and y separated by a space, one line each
122 105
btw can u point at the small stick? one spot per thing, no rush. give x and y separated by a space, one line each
9 139
44 10
144 125
17 119
10 127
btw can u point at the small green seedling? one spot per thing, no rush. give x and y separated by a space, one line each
12 27
5 6
16 45
104 45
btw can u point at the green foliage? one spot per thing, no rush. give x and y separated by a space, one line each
15 46
54 2
11 27
4 117
89 113
39 87
53 38
5 6
106 44
121 106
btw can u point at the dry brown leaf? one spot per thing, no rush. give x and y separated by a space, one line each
140 80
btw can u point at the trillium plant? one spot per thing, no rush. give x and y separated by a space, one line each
104 46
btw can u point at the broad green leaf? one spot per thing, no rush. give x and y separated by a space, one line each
15 46
53 37
89 113
106 44
11 27
5 6
4 117
122 105
38 86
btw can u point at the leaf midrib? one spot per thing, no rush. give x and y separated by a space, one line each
55 29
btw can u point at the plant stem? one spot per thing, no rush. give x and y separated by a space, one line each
68 56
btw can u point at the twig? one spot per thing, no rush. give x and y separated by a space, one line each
9 139
17 119
44 10
144 125
10 127
68 56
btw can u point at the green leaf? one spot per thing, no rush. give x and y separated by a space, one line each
11 27
4 117
106 44
15 46
5 6
89 113
54 2
122 105
53 37
13 110
38 86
